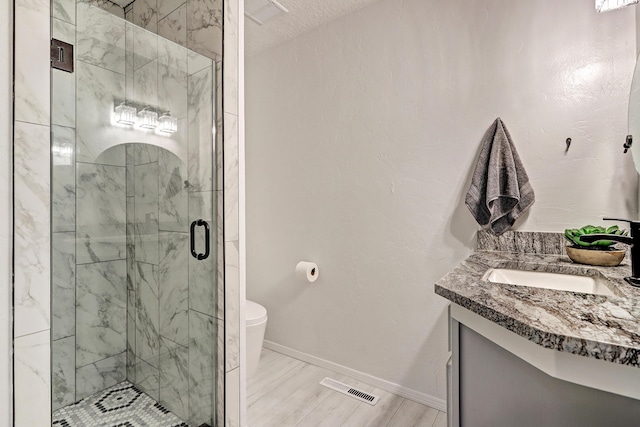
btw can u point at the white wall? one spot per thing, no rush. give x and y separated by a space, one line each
361 139
6 125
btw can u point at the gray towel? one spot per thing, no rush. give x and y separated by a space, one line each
500 191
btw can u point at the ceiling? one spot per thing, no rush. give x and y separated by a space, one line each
303 16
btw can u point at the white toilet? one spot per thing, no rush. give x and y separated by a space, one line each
256 322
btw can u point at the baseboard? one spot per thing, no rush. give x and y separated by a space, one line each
407 393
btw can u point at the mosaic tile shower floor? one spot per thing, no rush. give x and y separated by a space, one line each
121 405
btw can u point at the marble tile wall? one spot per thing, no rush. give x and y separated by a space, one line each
105 5
194 24
32 283
233 262
63 217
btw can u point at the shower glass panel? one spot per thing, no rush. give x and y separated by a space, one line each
135 229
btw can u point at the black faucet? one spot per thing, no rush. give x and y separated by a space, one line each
633 240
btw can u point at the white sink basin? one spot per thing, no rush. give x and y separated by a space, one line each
541 279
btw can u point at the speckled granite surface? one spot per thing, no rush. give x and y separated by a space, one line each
528 242
600 327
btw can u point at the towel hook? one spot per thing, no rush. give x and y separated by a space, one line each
568 141
627 143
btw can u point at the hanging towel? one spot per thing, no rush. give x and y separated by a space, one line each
500 190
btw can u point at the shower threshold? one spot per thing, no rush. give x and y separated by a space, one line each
120 405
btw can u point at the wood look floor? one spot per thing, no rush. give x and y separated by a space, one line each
285 392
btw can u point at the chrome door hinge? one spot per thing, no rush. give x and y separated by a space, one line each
62 55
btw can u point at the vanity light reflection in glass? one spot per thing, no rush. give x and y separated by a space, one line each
62 153
125 114
147 118
167 123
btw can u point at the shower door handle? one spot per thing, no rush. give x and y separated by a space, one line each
207 239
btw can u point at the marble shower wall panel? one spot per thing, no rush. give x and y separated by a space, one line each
195 24
129 59
131 264
31 57
145 83
101 309
200 125
131 336
64 10
144 45
97 88
64 98
146 212
232 51
173 195
63 298
174 378
202 368
219 393
63 101
100 38
63 179
130 163
220 272
32 231
166 7
145 14
204 27
32 376
148 378
147 314
173 280
197 62
101 214
102 374
107 6
31 218
144 154
232 306
234 263
219 135
202 293
172 78
174 26
63 368
63 218
231 187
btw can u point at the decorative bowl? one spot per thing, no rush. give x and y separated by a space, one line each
610 258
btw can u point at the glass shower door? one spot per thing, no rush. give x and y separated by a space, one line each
134 222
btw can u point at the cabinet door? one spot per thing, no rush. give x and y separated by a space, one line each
498 389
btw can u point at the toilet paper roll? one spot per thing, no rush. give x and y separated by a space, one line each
308 271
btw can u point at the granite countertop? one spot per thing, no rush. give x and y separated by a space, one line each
600 327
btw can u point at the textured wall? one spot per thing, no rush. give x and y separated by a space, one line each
361 138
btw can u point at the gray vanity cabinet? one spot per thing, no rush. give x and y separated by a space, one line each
489 386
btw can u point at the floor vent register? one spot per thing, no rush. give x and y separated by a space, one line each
350 391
